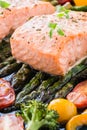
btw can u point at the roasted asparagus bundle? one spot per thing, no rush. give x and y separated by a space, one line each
32 85
9 69
19 79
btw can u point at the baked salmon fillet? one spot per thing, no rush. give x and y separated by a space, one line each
19 12
32 44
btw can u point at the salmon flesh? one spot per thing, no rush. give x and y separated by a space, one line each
32 44
19 12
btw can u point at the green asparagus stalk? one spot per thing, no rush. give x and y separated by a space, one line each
69 86
7 39
73 72
32 85
49 94
31 96
7 61
2 45
44 85
9 69
79 8
5 52
65 90
9 109
58 85
21 77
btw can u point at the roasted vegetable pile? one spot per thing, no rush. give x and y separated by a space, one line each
34 85
31 84
34 100
27 81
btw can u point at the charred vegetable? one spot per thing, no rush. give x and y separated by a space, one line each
70 85
34 94
64 91
21 77
32 85
46 83
7 61
5 52
10 68
49 94
79 8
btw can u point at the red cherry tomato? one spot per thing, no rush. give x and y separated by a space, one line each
63 1
79 95
7 95
11 122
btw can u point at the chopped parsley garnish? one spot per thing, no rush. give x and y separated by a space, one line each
54 26
62 12
60 32
4 4
60 15
51 33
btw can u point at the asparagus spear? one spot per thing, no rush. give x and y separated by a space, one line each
69 86
64 91
5 52
46 83
2 45
7 39
9 109
7 61
32 85
34 94
63 81
73 72
21 77
58 85
79 8
10 68
44 86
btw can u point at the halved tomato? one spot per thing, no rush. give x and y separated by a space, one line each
79 95
63 1
7 94
11 122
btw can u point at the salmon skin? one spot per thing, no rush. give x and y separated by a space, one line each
32 44
19 12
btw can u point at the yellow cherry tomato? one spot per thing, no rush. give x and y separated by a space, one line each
77 121
80 2
65 109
